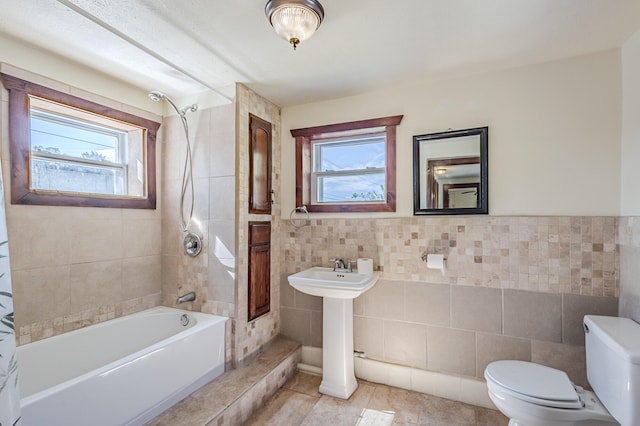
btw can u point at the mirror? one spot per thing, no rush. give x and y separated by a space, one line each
450 173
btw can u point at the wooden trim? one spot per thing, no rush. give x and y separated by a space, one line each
259 270
303 173
303 138
391 168
259 203
432 183
446 187
351 125
20 149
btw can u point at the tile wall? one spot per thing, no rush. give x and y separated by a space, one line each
251 336
210 274
91 265
218 275
514 287
74 266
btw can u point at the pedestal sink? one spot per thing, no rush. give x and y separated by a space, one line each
338 289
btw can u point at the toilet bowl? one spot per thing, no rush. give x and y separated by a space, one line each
535 395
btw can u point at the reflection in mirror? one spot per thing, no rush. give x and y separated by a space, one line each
450 172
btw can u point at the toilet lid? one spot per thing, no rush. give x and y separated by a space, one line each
536 383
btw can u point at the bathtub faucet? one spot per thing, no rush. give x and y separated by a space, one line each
189 297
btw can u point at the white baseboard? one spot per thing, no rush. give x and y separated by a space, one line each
463 389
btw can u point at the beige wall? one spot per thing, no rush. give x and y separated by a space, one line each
630 201
74 266
551 126
629 232
517 281
53 67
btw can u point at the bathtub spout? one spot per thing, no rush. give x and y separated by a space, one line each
189 297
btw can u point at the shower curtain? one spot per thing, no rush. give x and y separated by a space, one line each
9 396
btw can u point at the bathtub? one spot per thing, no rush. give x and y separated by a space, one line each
120 372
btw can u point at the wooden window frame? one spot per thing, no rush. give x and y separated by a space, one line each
20 149
305 136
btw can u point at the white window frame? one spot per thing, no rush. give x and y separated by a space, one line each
121 146
316 174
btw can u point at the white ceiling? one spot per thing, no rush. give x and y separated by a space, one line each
183 47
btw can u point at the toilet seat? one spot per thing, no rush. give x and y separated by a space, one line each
534 383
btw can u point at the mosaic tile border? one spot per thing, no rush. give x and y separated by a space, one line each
577 254
41 330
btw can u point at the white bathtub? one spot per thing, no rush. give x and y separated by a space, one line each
120 372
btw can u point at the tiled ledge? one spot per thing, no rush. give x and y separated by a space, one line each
233 397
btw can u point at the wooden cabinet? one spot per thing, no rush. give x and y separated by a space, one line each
259 165
259 269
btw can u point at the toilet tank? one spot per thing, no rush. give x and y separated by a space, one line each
612 347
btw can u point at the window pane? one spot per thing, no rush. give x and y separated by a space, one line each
74 150
55 175
350 155
64 136
351 188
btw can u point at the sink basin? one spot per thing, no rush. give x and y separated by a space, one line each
324 282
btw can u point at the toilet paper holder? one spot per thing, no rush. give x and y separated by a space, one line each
425 255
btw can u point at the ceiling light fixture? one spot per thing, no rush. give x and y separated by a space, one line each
294 20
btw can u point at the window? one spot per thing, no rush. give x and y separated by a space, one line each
69 151
347 167
349 170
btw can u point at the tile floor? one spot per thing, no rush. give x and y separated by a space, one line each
298 403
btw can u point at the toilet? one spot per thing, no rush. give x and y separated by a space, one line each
536 395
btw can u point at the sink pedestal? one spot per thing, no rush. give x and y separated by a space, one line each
338 377
338 289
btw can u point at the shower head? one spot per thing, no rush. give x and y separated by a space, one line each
156 96
187 173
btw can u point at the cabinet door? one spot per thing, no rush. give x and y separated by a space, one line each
259 269
259 165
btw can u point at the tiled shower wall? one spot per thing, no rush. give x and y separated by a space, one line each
513 287
134 259
75 266
220 138
211 274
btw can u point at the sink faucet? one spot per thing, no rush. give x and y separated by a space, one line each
189 297
339 265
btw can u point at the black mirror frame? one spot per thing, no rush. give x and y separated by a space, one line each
483 196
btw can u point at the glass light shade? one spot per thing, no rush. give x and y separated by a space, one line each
295 23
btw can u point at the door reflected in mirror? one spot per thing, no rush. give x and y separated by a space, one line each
450 172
